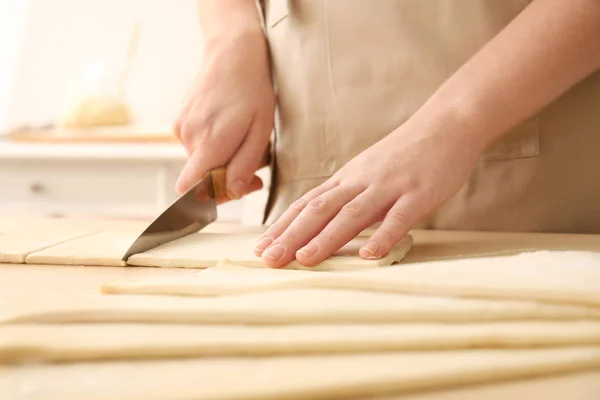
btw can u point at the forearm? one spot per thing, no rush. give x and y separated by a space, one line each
547 49
228 17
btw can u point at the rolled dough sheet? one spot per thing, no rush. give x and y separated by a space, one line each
304 377
279 307
203 250
548 276
101 248
44 343
223 279
17 244
563 277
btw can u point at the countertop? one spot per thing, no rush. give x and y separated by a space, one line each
429 245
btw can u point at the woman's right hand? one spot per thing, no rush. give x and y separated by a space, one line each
228 117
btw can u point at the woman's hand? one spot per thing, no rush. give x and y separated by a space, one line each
228 118
414 170
399 180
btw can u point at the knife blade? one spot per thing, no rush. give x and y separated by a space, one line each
190 213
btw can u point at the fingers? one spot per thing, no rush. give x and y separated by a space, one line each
354 216
327 218
284 221
194 169
317 213
396 224
246 160
178 128
255 184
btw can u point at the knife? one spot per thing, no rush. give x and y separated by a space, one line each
190 213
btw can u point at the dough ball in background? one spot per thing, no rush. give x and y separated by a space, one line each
97 110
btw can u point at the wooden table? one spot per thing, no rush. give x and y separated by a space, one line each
23 279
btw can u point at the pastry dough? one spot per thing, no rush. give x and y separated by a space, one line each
101 248
43 343
279 307
299 377
203 250
15 245
549 276
564 277
221 280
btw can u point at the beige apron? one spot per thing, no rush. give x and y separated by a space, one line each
349 72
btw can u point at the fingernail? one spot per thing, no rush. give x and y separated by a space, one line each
309 250
236 190
274 252
262 244
369 251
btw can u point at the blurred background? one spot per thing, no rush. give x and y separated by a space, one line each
89 90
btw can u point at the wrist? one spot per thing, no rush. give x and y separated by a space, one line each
461 118
236 38
229 18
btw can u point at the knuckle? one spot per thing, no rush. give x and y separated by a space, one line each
399 218
187 129
353 209
325 238
409 184
177 127
274 231
386 236
298 205
318 204
290 236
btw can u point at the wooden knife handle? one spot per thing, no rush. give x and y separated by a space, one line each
219 176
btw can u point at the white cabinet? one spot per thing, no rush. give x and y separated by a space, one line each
128 181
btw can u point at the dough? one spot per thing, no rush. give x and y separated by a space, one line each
278 307
565 277
216 281
97 110
549 276
300 377
101 248
16 244
39 343
203 250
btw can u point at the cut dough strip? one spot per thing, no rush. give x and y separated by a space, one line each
204 250
16 245
280 307
101 248
562 277
547 276
43 343
305 377
217 281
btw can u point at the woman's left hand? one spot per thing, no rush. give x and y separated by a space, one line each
418 167
398 181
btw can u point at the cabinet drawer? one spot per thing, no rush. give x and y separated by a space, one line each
80 186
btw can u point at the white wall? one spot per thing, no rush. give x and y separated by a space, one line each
13 16
62 37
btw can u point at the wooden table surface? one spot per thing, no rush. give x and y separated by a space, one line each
429 245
